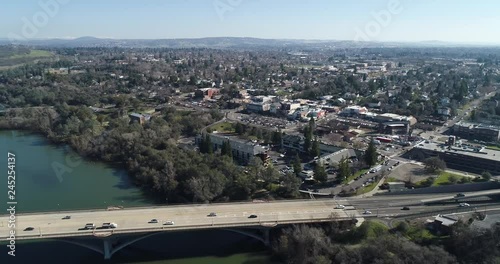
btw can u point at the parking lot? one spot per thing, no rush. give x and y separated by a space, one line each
264 121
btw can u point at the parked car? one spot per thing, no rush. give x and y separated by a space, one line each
464 205
29 228
367 212
252 216
89 226
460 195
212 214
66 217
406 208
153 221
169 223
340 206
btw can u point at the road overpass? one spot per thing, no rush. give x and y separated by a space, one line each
231 216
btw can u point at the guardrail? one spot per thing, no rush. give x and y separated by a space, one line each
164 228
165 206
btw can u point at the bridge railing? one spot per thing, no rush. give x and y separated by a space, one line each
162 206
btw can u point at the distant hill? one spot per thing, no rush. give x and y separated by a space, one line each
218 42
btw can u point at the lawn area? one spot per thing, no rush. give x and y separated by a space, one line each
224 127
443 179
366 189
32 54
493 148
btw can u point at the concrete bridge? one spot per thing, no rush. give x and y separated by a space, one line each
250 219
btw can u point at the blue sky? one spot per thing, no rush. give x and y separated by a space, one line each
410 20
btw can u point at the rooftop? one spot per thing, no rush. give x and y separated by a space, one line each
483 153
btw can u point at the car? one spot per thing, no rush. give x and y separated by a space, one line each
169 223
340 206
89 226
460 195
66 217
252 216
109 225
153 221
367 212
406 208
29 228
212 214
464 205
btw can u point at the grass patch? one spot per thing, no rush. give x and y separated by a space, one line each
32 54
366 189
223 127
391 179
493 148
444 179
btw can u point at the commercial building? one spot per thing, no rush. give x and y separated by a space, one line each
242 150
459 157
206 93
476 131
395 128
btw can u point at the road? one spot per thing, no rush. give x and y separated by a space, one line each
187 217
184 217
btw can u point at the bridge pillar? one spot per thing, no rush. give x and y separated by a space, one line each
107 249
267 241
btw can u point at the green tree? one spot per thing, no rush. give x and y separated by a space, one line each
277 136
320 173
315 151
307 139
297 165
434 164
344 170
226 149
371 154
486 175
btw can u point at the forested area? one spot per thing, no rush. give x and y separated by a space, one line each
373 242
150 154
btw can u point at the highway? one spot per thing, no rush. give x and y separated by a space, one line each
187 217
184 217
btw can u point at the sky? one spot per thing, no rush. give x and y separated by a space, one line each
463 21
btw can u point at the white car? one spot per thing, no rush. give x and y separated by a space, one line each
367 212
464 205
169 223
340 206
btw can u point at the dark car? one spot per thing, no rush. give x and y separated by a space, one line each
406 208
153 221
212 214
29 228
252 216
67 217
460 195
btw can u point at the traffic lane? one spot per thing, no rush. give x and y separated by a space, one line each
139 221
142 216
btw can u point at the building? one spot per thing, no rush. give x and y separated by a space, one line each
290 106
353 110
258 107
462 158
476 131
396 186
139 118
206 93
242 150
395 128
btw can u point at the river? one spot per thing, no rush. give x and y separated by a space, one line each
54 178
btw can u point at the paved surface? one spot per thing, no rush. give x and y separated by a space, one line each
184 217
228 215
